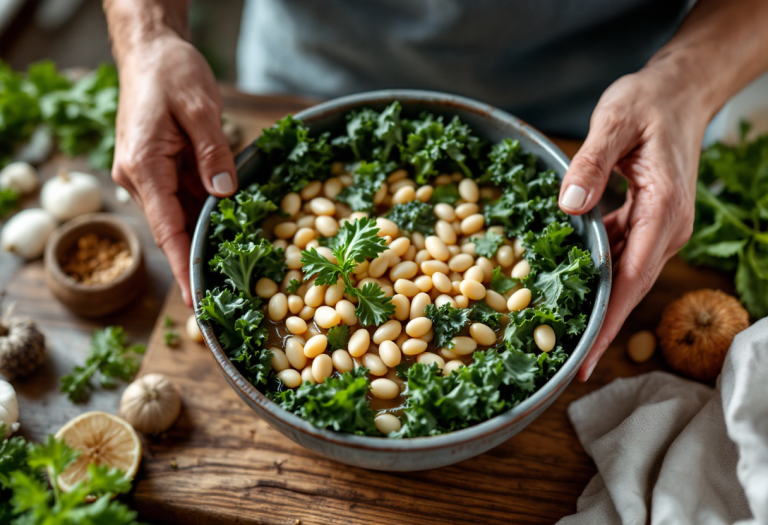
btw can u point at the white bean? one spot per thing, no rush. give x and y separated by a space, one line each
445 231
296 325
388 331
483 334
294 351
387 423
519 300
544 337
359 342
374 364
342 361
445 212
322 367
427 358
472 289
463 345
327 226
279 360
346 311
390 354
406 287
278 307
424 194
291 204
290 378
316 345
418 327
414 346
418 304
521 270
384 389
266 288
469 191
402 307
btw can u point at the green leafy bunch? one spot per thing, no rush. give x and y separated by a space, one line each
487 246
414 216
241 333
243 215
529 201
371 135
367 178
447 321
730 230
339 403
244 262
355 241
27 471
9 199
295 157
432 147
111 356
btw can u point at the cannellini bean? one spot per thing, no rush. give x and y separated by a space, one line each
322 367
296 325
397 175
436 248
358 215
266 288
279 361
315 295
469 248
316 345
302 237
454 250
472 290
381 194
461 301
327 317
521 270
465 210
518 247
487 266
456 284
475 274
452 365
375 365
421 256
469 191
427 358
293 258
278 307
400 246
347 180
418 327
307 313
641 346
387 423
445 231
314 243
461 262
418 304
483 334
388 331
404 270
294 352
443 180
295 304
410 254
406 287
342 361
378 266
402 307
359 342
334 294
387 227
390 354
291 204
495 300
397 186
424 282
285 230
544 337
327 226
403 195
307 221
445 212
417 240
456 225
281 244
463 345
414 346
430 267
361 268
332 188
290 378
445 299
384 389
519 300
506 256
403 337
441 282
428 336
307 376
311 190
447 354
322 206
346 310
424 194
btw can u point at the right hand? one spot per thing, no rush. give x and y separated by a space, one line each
170 150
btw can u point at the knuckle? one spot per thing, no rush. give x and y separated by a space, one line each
592 165
212 154
201 108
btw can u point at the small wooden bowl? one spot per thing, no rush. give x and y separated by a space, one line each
94 300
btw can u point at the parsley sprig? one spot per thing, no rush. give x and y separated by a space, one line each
356 241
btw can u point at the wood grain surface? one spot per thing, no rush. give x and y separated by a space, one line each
220 464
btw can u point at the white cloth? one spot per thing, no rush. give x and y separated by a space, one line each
673 451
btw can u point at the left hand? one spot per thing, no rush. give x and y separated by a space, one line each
648 128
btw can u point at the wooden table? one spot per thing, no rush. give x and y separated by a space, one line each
222 464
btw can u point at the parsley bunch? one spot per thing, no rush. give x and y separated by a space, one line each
730 231
356 241
26 472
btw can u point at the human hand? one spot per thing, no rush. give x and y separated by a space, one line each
170 151
647 128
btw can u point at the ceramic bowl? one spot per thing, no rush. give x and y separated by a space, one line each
94 300
433 451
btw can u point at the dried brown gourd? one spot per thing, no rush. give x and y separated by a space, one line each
696 331
22 345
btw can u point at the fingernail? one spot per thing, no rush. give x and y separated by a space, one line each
590 369
574 197
222 183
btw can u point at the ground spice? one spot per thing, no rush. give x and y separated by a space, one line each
96 260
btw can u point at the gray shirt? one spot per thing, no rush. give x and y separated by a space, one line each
545 61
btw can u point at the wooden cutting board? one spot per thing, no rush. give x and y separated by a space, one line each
221 464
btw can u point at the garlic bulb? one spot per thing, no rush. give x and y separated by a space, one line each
9 408
150 404
22 345
193 330
26 233
20 177
70 194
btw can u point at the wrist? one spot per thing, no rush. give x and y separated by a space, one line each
137 26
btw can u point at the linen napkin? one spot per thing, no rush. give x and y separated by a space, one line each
673 451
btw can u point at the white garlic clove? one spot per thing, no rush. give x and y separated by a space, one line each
193 330
9 408
150 404
20 177
71 194
26 233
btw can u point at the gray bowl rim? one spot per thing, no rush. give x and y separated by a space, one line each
479 431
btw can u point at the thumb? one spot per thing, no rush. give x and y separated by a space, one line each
584 183
215 162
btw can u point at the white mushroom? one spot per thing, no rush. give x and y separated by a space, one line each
20 177
70 194
26 233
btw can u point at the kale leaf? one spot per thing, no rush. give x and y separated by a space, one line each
243 215
338 337
501 283
413 216
448 194
487 246
482 313
244 262
447 321
367 179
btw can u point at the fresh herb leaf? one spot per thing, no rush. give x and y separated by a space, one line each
448 194
293 286
338 337
565 288
243 215
171 338
167 322
366 181
487 246
544 249
109 355
501 283
9 199
413 216
373 307
482 313
339 403
447 321
243 262
372 135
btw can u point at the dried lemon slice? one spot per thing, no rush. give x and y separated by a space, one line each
102 439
